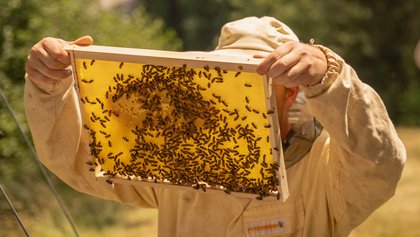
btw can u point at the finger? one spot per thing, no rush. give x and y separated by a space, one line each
278 53
37 65
296 75
84 41
38 53
282 65
54 48
37 77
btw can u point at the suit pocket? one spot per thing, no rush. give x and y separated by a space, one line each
274 218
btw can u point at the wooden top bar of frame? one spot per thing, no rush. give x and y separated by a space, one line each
165 58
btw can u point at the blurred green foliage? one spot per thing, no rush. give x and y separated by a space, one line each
376 37
22 24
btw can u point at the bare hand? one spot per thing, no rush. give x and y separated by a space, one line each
294 63
49 62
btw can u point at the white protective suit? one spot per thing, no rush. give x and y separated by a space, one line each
335 183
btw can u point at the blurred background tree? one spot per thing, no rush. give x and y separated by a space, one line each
376 37
23 23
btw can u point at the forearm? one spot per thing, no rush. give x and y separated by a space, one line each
355 116
366 156
55 122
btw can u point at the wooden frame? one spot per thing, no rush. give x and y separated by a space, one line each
84 57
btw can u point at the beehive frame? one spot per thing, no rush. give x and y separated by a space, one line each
170 119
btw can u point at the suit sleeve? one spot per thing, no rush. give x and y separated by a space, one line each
53 115
366 156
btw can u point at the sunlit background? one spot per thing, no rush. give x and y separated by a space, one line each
376 37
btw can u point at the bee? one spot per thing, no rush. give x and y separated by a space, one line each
121 65
84 65
200 88
248 85
109 181
203 187
207 75
92 61
217 79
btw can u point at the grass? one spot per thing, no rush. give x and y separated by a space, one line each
399 217
139 222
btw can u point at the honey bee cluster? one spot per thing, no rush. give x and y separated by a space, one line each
160 125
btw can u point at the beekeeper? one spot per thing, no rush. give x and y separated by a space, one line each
340 168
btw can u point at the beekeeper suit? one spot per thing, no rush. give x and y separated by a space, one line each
343 159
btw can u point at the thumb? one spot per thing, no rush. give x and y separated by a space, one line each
83 41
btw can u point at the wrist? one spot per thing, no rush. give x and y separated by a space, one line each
330 76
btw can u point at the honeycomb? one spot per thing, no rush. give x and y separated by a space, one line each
200 127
